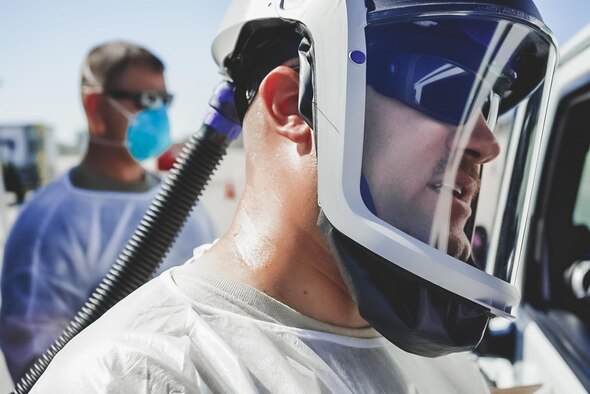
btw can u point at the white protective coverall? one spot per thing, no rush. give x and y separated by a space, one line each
181 334
61 246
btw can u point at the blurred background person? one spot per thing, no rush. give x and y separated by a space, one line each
69 234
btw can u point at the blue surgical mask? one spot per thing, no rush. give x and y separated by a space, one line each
148 132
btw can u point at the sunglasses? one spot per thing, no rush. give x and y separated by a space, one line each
147 99
437 87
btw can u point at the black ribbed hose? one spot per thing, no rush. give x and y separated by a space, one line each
159 227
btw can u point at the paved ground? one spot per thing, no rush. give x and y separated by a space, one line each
220 199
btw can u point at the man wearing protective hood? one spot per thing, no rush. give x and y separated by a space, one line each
368 127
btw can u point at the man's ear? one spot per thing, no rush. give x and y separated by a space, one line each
91 104
279 92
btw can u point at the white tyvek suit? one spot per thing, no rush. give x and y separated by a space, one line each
161 339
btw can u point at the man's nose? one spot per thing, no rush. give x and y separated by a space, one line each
482 145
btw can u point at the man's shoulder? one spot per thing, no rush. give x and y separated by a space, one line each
146 309
51 197
119 362
38 211
57 188
146 313
143 339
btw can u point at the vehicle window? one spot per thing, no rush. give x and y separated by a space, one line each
582 205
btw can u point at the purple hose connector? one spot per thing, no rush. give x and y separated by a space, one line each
221 114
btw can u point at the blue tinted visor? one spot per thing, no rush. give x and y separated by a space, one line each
435 86
439 66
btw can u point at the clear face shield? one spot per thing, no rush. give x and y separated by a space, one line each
437 150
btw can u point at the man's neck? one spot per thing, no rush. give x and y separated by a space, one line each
112 162
286 260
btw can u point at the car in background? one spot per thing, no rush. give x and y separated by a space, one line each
549 343
27 157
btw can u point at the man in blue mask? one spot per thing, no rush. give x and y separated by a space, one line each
127 110
67 237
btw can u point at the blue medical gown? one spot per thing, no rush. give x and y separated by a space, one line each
61 246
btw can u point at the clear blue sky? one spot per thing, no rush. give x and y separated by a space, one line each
43 44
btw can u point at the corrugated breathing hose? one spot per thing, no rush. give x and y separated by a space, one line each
160 225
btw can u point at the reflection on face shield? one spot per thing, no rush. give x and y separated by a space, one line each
435 86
